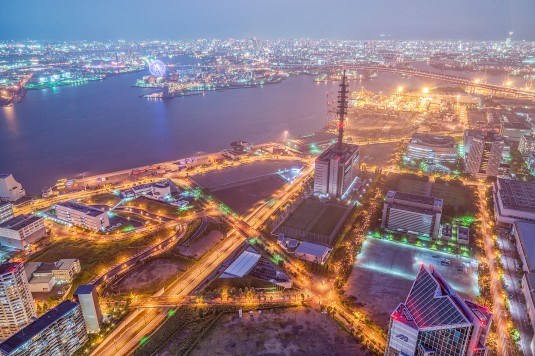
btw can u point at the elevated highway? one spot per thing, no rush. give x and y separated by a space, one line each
472 84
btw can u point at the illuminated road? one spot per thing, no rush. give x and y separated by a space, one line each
498 308
128 334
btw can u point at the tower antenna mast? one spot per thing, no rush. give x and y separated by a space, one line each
342 108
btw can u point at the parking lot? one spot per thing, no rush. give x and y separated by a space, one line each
384 272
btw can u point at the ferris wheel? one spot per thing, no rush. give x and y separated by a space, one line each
157 68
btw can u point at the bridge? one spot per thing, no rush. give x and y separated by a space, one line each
449 79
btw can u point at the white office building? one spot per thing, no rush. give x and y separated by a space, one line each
434 320
336 171
21 231
412 214
16 303
10 189
82 215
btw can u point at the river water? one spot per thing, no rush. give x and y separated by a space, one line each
105 126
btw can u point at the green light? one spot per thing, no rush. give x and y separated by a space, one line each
143 340
128 228
171 312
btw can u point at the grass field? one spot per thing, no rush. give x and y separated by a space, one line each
454 196
315 217
95 256
412 186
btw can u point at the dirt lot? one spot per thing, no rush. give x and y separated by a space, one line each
377 154
384 272
242 197
245 171
150 277
296 331
201 245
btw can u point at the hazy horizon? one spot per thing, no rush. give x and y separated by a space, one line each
342 20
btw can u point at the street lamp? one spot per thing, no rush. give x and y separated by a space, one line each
425 90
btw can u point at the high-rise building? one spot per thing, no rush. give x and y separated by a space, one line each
60 331
82 215
6 211
413 214
86 295
482 153
434 320
10 189
336 169
16 303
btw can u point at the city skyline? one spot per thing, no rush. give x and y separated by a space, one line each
238 177
390 19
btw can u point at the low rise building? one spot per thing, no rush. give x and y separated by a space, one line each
20 231
6 211
60 331
514 200
43 276
412 214
432 148
156 191
65 269
524 233
10 189
528 289
527 145
463 235
312 252
515 130
82 215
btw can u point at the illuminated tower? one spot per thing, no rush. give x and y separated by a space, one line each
342 108
336 169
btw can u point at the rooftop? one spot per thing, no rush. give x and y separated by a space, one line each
27 333
516 194
432 303
312 249
348 150
526 234
432 140
529 138
413 198
88 210
20 222
243 264
9 267
84 289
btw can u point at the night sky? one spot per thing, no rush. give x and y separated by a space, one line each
335 19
